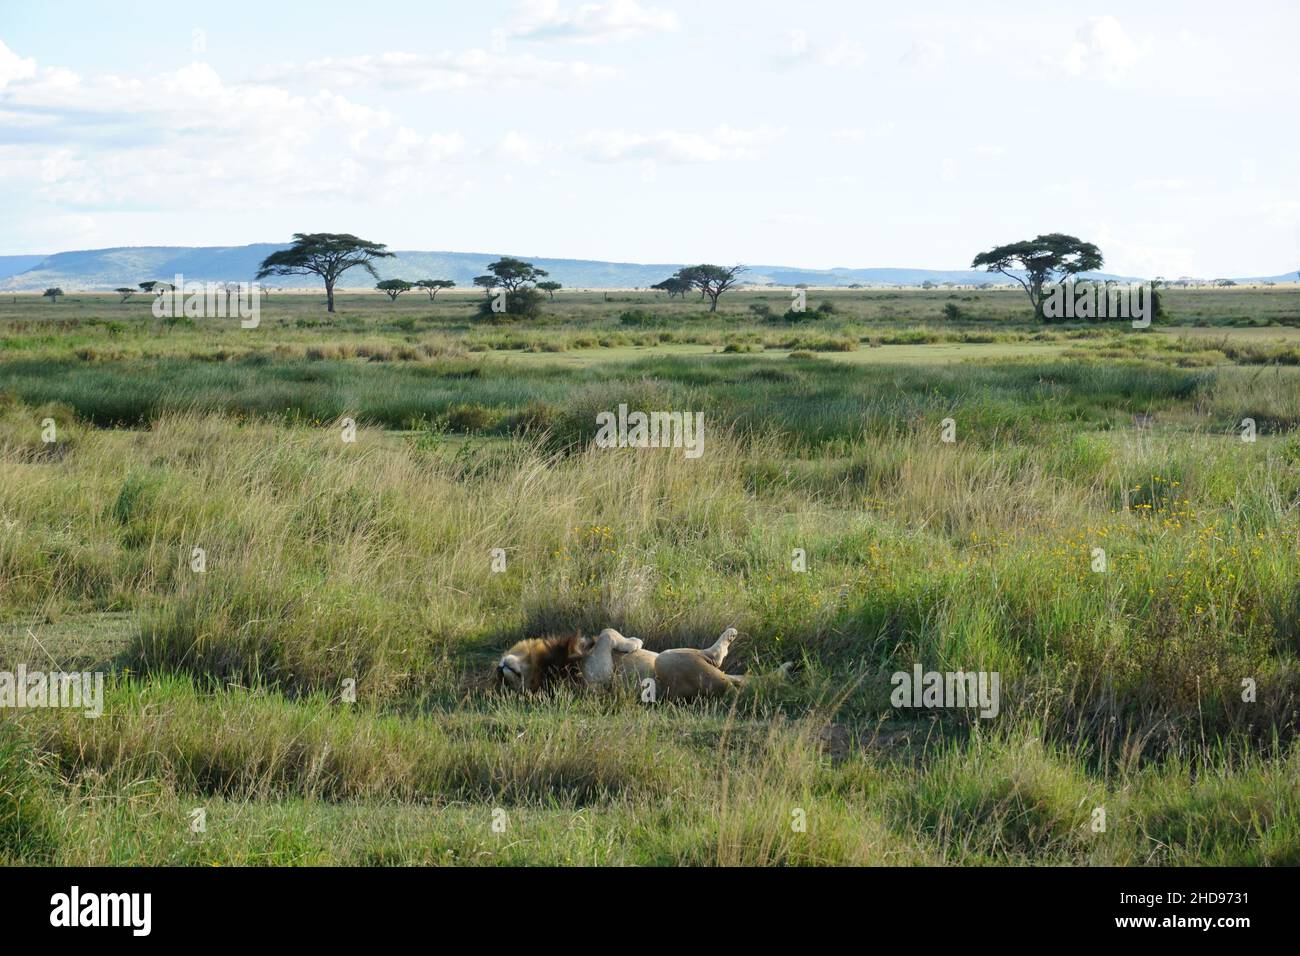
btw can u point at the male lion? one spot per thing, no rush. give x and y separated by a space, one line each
680 673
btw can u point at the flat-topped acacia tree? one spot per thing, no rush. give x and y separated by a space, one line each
394 287
517 278
711 280
514 274
674 285
433 286
326 254
1048 258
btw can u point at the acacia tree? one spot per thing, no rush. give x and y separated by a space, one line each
711 280
513 274
52 294
154 286
690 275
1048 258
325 254
432 286
393 288
518 279
125 292
674 285
550 287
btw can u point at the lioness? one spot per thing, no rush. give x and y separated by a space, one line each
681 673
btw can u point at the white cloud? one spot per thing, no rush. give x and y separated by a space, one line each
13 67
1103 47
857 134
924 55
436 72
671 146
1158 251
801 50
13 120
589 22
187 133
1166 184
518 148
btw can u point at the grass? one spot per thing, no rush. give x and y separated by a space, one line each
333 564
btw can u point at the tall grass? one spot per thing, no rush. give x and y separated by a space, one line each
330 562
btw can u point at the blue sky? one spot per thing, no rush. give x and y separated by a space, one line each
812 134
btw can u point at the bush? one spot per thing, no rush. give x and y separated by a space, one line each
471 418
536 416
523 303
952 312
638 317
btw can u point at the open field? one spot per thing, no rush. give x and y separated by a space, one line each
329 562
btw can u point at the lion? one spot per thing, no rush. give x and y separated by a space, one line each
681 673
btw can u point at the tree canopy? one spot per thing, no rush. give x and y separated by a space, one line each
326 254
711 280
1047 258
433 286
674 285
511 273
394 287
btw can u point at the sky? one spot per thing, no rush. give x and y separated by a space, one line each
810 134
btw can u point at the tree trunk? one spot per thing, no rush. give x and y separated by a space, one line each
329 295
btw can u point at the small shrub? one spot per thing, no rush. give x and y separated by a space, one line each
523 304
636 318
471 417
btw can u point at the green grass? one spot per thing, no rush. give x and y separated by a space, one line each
331 562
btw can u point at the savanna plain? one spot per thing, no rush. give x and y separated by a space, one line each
1161 690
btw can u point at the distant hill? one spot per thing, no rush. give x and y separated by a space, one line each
1260 280
106 269
12 265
